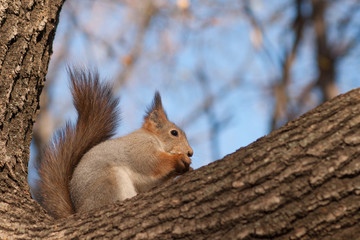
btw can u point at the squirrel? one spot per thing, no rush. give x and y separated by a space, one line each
83 169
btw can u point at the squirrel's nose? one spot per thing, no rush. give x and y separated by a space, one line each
190 153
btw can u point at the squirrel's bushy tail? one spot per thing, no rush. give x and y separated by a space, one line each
97 122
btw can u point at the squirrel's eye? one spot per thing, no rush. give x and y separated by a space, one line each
174 133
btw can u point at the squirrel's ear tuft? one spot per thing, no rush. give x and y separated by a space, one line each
155 114
156 104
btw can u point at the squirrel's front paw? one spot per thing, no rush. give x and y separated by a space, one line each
183 164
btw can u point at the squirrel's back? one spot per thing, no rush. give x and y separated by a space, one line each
97 121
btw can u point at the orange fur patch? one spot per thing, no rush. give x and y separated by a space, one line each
166 164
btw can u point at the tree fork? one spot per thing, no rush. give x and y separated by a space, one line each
299 182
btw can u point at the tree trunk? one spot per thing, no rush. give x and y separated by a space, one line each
27 30
301 181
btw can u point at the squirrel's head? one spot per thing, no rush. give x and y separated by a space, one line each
172 137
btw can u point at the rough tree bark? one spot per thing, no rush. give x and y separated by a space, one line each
301 181
27 30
